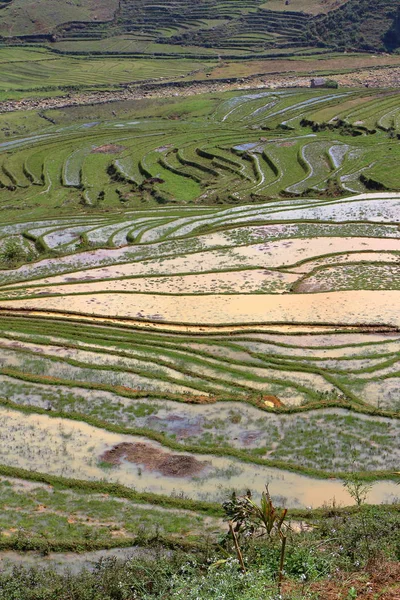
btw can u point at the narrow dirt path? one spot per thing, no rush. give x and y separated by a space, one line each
372 78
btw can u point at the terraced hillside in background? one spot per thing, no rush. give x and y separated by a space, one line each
146 26
192 291
40 18
227 28
208 29
362 24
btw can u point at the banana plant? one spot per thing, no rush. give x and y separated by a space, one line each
248 518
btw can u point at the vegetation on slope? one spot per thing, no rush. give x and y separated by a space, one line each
360 24
232 28
27 18
251 147
344 554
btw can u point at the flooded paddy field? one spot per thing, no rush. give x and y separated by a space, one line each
293 438
73 562
80 451
196 305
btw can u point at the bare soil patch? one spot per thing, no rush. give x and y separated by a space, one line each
153 459
279 67
272 401
313 7
108 149
380 580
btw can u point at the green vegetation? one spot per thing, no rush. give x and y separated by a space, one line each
236 29
139 241
361 24
30 69
197 295
142 28
228 149
291 440
74 520
338 554
38 20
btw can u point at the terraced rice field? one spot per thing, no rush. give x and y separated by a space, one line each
206 306
234 148
237 28
27 69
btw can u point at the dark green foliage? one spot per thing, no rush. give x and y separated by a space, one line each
368 533
339 543
358 24
11 253
392 37
110 580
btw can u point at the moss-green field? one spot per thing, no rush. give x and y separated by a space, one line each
232 148
197 295
33 69
24 17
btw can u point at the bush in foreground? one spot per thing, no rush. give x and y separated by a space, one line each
336 556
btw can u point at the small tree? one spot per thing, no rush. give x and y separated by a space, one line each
357 488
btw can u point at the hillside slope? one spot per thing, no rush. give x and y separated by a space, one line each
230 27
38 17
360 25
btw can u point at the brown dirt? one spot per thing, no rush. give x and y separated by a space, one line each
273 399
153 459
380 71
200 400
285 66
108 149
380 581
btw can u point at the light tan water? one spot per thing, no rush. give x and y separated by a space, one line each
347 258
349 308
246 281
69 561
281 253
73 449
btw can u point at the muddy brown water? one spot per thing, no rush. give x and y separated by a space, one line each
74 449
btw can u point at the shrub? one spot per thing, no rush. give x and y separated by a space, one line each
12 253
